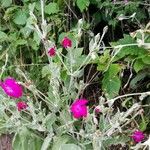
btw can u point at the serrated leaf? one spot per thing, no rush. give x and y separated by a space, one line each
51 8
82 4
20 17
70 147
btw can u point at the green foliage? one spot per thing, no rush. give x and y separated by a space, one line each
51 84
51 8
82 4
111 83
25 139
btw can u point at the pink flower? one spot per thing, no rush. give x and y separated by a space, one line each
12 88
97 109
125 1
138 136
66 42
79 108
52 51
21 106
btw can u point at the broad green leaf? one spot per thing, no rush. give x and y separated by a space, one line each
146 59
82 4
51 8
111 86
139 65
113 70
70 147
6 3
20 17
111 82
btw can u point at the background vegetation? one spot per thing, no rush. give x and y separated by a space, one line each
119 64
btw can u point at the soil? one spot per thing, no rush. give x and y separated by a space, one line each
6 142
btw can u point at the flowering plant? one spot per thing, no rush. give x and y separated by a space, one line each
61 116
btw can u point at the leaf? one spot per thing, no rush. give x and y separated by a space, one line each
103 61
111 86
128 50
3 36
6 3
20 17
146 59
138 65
70 147
140 76
116 140
51 8
143 124
82 4
46 142
111 82
59 141
36 38
103 124
49 120
20 42
25 139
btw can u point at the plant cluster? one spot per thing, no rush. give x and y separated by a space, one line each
45 52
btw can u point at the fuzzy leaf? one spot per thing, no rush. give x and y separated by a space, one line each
20 17
70 147
46 142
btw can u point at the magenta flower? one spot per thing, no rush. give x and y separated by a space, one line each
21 106
66 42
138 136
52 51
79 108
12 88
97 109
